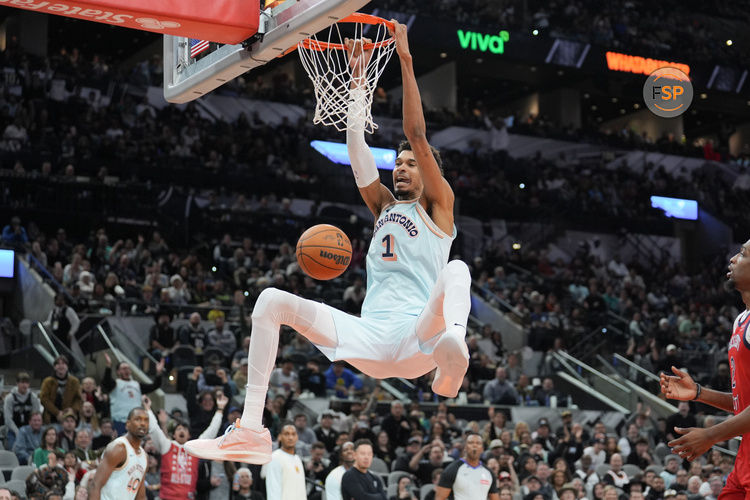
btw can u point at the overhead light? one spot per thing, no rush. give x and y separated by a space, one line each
729 43
522 186
614 99
443 55
593 108
516 246
704 96
586 95
622 111
636 106
533 68
535 32
480 60
560 72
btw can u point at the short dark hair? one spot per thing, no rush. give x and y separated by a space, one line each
318 445
63 358
405 146
132 412
361 442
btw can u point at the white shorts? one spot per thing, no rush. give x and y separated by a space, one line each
380 347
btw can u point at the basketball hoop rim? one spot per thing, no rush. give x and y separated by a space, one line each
357 17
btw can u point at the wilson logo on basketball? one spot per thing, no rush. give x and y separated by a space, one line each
342 260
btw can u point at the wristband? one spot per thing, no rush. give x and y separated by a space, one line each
697 391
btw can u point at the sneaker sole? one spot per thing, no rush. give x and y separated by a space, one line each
246 456
451 367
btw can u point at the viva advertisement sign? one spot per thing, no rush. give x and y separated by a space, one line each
480 42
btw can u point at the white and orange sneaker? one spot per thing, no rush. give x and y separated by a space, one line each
452 358
238 444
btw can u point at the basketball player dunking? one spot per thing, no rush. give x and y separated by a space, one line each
697 441
417 304
124 463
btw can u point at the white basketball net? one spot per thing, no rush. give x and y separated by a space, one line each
332 76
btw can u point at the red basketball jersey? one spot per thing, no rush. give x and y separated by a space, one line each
739 365
179 474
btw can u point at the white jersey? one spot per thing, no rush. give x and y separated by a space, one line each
124 397
406 254
285 477
333 483
126 480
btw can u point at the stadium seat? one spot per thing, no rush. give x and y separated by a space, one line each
632 470
214 356
8 462
661 451
601 470
424 490
22 472
183 355
17 486
656 468
379 466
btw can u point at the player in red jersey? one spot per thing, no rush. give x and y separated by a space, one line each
694 442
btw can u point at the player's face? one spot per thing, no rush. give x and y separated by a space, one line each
738 275
288 437
407 181
137 424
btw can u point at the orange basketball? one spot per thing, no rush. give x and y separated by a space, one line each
324 252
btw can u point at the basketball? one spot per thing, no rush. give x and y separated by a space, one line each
324 252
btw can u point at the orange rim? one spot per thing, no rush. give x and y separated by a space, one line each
357 17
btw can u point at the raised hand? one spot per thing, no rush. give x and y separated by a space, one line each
160 366
680 387
401 38
693 443
221 401
146 403
108 360
358 58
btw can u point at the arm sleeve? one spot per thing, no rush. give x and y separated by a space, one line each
160 440
363 162
8 412
146 388
74 321
47 397
448 477
213 428
108 383
273 480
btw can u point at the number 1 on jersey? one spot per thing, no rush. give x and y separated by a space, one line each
389 242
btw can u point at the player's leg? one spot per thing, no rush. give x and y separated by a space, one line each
447 309
250 442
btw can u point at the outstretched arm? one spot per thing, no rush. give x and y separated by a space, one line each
436 188
366 175
682 387
696 441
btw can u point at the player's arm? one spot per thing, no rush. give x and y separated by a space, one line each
696 441
436 188
682 387
374 193
494 496
447 478
114 456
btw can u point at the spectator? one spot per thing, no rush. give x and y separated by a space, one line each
29 438
14 234
83 451
422 468
413 446
358 482
201 406
499 391
193 334
284 475
63 322
108 433
222 337
18 406
468 479
546 394
304 433
615 475
179 471
60 392
404 490
396 425
354 296
317 465
311 379
48 445
67 435
342 381
324 431
682 419
162 337
640 456
284 380
124 392
671 466
242 486
333 480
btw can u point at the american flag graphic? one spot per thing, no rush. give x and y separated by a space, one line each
197 46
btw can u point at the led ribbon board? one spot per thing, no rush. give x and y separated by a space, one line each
385 159
676 207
